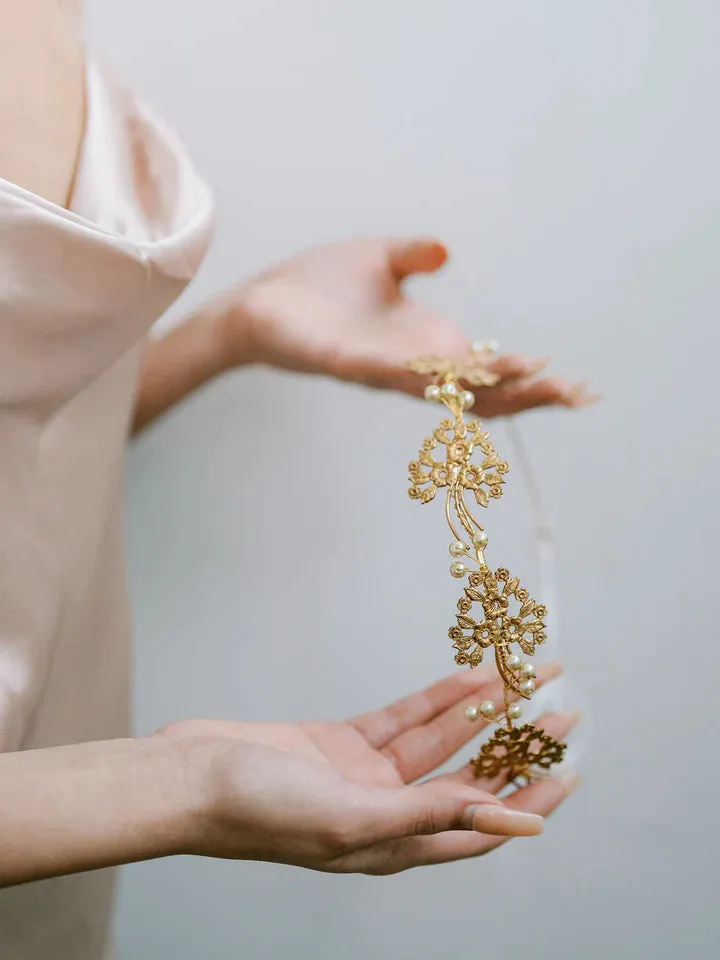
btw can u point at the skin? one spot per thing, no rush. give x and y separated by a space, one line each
335 797
42 109
340 311
339 797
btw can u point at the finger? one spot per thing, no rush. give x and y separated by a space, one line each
420 749
381 726
419 255
391 815
541 799
391 374
517 367
558 725
516 397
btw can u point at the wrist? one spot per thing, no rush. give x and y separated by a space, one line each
197 758
184 360
228 328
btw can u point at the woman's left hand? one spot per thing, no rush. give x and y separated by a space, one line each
339 311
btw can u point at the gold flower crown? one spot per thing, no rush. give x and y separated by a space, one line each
509 618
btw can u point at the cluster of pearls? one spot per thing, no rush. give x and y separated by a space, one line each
486 710
449 391
458 569
459 549
526 671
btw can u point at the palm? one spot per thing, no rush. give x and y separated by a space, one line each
348 751
343 311
337 796
384 748
345 304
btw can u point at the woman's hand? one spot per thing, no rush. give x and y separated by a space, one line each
338 797
340 311
343 311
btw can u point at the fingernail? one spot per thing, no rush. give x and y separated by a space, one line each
571 718
537 366
570 393
577 397
589 400
570 782
502 822
550 671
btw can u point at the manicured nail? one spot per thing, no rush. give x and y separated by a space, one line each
570 782
569 718
577 397
501 821
550 671
589 400
536 366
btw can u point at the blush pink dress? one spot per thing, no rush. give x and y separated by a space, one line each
79 290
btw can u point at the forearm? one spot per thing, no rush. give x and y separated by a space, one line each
69 809
181 362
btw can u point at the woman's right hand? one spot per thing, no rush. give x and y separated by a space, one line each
339 797
344 797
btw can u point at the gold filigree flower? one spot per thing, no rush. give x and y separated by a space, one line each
501 626
518 750
428 475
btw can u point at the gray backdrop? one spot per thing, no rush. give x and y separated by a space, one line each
569 154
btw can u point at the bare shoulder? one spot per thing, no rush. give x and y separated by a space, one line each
41 97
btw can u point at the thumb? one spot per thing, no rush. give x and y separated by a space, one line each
416 256
436 807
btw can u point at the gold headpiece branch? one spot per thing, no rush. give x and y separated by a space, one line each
495 611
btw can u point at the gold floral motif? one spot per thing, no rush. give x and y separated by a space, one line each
459 438
501 626
518 750
474 370
510 616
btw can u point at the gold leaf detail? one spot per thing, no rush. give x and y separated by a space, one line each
473 370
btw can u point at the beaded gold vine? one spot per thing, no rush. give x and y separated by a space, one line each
495 612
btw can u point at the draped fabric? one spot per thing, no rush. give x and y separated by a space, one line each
79 289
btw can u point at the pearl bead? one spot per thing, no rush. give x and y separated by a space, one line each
457 549
493 346
527 670
480 540
449 390
527 687
514 662
472 713
514 711
432 392
458 569
487 708
467 399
